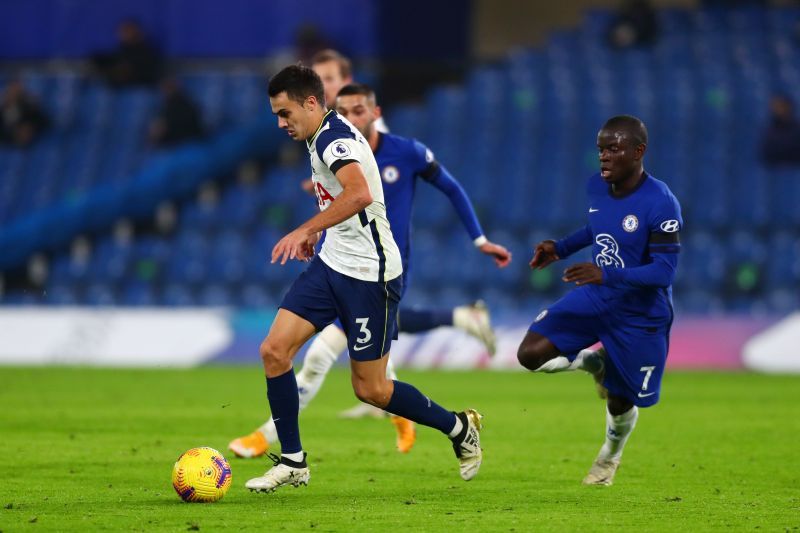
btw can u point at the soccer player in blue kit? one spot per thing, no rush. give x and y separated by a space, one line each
623 299
355 278
402 162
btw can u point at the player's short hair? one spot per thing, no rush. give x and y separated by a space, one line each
359 89
323 56
631 125
298 82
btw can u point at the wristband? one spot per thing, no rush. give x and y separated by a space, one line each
480 241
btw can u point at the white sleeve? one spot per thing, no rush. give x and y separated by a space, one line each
340 152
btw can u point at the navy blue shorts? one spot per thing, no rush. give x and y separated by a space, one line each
367 310
636 355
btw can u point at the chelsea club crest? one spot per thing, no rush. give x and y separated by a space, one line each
630 223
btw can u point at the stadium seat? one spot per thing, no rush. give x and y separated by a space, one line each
701 89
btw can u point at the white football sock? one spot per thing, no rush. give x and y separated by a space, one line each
462 317
390 373
456 429
618 429
556 364
586 360
321 355
297 457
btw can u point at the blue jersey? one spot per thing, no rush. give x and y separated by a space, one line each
402 162
635 241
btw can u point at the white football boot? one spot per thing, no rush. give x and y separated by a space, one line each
467 444
284 472
602 472
474 320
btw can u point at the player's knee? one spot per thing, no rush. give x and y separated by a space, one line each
272 353
530 356
373 393
618 405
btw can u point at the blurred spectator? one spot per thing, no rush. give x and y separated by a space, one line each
134 62
634 25
335 71
780 144
309 40
178 119
22 117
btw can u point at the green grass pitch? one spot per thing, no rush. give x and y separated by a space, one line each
91 449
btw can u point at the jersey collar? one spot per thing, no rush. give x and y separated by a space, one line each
642 179
325 118
380 143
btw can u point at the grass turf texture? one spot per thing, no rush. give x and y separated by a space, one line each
93 449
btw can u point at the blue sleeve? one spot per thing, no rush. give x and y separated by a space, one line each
446 183
438 176
665 216
664 245
573 242
659 273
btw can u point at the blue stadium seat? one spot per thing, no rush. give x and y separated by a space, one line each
178 295
215 295
100 294
255 296
700 89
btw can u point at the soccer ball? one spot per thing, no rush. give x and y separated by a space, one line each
201 475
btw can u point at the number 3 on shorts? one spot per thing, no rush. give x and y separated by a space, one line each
367 335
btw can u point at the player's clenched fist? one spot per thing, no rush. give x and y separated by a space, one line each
544 254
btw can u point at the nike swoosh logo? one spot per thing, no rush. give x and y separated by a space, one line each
359 348
593 210
646 395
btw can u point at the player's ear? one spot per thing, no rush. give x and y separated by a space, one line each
378 112
640 150
310 102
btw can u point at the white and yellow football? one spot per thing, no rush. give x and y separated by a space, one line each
201 475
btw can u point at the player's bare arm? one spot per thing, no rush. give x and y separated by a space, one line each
583 274
544 254
355 197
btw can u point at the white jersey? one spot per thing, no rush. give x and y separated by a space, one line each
362 246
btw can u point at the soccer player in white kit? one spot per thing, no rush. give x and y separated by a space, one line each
356 278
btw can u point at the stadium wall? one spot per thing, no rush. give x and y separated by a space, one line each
158 337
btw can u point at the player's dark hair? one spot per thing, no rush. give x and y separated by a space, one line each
298 82
359 89
630 125
323 56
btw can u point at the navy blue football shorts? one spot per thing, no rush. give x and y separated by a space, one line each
636 354
366 310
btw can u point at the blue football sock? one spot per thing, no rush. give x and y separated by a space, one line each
408 402
284 403
415 320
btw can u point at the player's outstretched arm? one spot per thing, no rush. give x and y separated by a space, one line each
355 196
544 254
439 177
